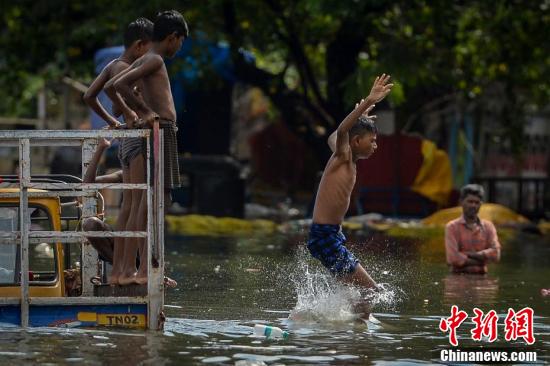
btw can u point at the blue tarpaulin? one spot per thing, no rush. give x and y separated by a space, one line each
102 59
215 55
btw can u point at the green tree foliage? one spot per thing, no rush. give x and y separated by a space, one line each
314 58
44 40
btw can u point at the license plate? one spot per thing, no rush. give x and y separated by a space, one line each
124 320
121 320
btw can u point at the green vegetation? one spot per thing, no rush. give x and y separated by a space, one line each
314 58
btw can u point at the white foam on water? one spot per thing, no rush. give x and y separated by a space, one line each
387 295
322 298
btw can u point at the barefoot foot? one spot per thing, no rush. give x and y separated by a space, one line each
125 279
363 309
141 279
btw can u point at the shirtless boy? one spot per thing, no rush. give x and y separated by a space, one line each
137 41
156 102
354 139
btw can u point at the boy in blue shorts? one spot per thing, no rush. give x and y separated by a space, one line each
354 139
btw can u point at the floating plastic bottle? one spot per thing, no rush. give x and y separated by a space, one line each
269 332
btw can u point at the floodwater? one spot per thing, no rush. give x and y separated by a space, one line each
226 285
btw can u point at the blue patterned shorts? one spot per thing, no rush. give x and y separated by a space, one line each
326 243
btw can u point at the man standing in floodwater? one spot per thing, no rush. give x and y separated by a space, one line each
471 243
354 139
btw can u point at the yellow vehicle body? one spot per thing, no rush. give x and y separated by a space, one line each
54 288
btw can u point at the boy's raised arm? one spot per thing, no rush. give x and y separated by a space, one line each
91 171
379 90
124 83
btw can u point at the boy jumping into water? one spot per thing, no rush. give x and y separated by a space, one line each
354 139
137 41
156 103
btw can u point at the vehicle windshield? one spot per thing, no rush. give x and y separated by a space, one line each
41 256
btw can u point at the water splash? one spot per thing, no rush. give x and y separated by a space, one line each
322 298
386 296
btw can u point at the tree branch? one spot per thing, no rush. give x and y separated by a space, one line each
343 51
298 112
297 50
